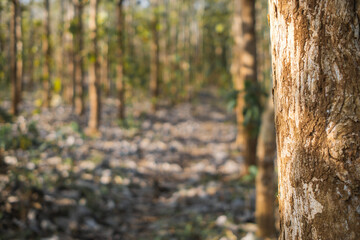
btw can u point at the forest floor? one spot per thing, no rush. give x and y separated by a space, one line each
170 175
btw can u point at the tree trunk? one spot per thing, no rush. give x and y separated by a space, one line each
265 179
104 67
94 78
69 86
47 53
244 69
316 69
155 58
79 60
15 76
31 56
120 83
19 46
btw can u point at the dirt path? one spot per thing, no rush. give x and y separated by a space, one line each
172 175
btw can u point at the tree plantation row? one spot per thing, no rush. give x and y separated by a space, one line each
163 119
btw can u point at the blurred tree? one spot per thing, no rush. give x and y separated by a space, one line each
31 47
244 71
68 56
47 51
265 179
2 43
315 46
120 82
155 56
94 73
79 68
15 55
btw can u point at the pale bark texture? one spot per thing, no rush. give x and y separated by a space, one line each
120 83
94 73
79 72
155 59
47 53
243 69
265 179
15 49
316 69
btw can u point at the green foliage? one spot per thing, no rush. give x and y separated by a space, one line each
253 170
57 85
74 26
5 117
129 123
253 93
76 128
17 137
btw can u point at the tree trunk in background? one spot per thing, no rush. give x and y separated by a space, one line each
14 49
265 179
2 44
61 59
69 75
243 69
120 83
94 76
19 46
31 56
104 67
316 69
79 60
47 53
155 58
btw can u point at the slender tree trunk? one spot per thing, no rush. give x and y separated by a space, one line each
120 83
61 59
316 69
94 78
47 52
68 58
14 49
2 43
104 63
244 69
79 72
31 56
155 59
265 179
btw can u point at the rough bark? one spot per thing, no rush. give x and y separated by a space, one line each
265 179
15 76
120 83
243 69
155 59
316 69
94 73
79 72
47 53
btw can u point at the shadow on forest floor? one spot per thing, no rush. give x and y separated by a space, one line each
172 175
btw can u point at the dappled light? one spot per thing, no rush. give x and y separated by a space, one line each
146 119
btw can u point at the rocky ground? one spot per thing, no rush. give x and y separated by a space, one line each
169 175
